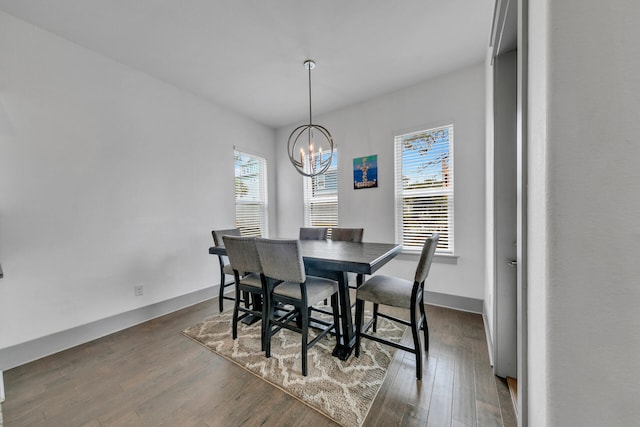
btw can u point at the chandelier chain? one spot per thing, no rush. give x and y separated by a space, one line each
310 121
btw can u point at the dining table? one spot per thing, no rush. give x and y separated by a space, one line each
334 260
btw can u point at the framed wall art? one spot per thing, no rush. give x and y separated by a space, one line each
365 172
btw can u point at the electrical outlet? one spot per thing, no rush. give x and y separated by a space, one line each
138 290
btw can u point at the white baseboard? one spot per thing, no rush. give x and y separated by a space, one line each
29 351
456 302
487 334
17 355
489 340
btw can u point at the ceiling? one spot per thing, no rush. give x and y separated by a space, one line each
248 55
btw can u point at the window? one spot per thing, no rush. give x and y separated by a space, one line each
321 197
251 194
424 188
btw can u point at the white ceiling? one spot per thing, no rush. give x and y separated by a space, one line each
248 54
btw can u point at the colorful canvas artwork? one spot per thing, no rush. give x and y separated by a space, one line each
365 172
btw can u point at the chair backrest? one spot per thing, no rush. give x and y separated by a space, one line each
313 233
281 259
242 253
217 235
429 248
347 234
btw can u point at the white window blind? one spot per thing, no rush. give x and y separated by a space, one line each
251 194
321 197
424 188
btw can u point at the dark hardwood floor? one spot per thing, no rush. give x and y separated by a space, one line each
151 375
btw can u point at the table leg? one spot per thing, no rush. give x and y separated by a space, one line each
257 306
343 349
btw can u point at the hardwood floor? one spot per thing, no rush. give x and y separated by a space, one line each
151 375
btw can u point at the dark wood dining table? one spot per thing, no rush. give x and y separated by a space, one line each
334 260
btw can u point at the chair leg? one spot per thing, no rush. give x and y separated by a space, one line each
299 320
359 316
305 338
234 322
416 341
336 317
425 325
267 333
265 316
220 297
375 317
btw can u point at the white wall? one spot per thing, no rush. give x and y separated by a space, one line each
584 200
108 178
367 129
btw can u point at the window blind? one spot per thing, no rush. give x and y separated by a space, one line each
424 188
251 194
321 197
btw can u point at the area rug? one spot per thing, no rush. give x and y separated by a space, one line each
340 390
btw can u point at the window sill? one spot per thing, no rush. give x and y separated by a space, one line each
438 258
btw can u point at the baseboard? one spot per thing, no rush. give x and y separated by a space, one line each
454 301
488 336
29 351
1 397
1 387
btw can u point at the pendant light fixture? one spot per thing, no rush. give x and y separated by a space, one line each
310 146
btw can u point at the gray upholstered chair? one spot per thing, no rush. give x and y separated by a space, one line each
247 270
347 234
225 268
396 292
282 261
313 233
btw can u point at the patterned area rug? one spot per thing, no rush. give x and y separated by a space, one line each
343 391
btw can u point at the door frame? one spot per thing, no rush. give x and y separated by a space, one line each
506 21
522 206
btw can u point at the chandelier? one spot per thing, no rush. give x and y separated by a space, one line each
310 146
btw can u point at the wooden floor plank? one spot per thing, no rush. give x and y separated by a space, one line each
488 410
152 375
464 408
509 416
440 407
